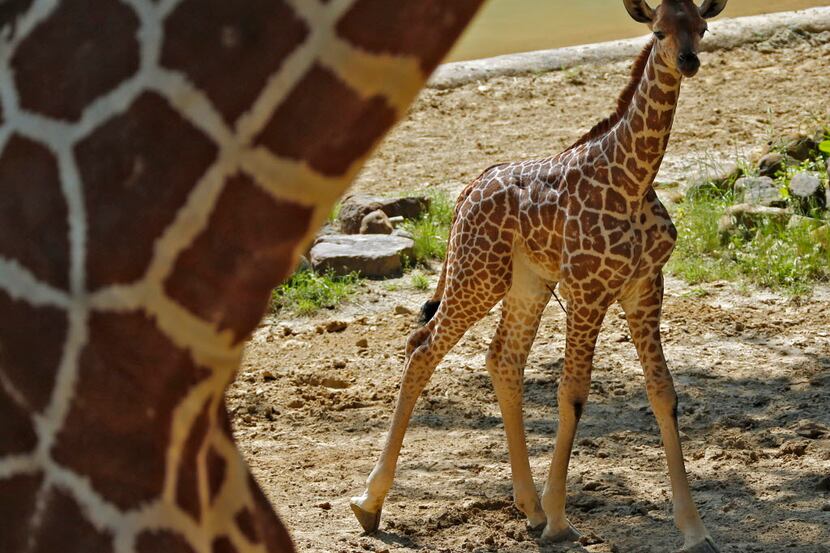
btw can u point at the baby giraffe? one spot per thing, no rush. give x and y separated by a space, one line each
589 221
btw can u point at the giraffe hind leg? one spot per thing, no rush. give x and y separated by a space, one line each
460 309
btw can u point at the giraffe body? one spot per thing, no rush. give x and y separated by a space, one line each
162 164
586 220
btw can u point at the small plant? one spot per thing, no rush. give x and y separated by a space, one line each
419 281
784 257
335 213
431 232
307 292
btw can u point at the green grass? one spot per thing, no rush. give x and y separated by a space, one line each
432 230
419 281
698 256
335 213
306 292
772 255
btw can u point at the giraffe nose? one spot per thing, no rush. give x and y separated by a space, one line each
688 63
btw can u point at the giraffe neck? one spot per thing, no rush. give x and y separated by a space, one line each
637 144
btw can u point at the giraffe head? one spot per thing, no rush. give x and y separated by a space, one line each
679 25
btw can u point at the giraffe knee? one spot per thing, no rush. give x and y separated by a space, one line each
417 339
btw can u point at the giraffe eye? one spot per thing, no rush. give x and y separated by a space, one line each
660 35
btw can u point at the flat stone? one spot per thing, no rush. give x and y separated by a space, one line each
749 216
356 207
370 255
758 191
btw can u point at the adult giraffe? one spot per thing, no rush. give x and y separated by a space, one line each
589 221
162 162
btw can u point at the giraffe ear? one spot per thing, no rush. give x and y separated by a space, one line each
711 8
639 10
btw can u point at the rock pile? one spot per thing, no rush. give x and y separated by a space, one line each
368 242
788 186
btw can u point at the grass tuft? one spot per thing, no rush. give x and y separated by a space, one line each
306 292
419 281
432 230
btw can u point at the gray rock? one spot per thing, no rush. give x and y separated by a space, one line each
739 217
809 223
376 222
807 192
356 207
758 191
371 255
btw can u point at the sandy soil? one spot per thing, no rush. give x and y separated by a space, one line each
752 368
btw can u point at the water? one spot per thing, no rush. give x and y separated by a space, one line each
507 26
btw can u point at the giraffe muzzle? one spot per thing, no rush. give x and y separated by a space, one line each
688 63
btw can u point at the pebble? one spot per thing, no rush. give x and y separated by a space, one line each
335 383
794 448
332 326
402 310
363 343
268 376
325 505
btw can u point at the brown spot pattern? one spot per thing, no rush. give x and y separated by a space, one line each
31 346
226 276
421 28
122 164
154 541
273 532
65 528
246 524
17 504
222 545
217 466
131 379
33 211
85 49
230 49
326 123
17 435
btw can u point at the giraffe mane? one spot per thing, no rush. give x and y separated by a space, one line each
638 68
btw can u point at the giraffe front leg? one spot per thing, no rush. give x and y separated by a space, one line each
583 328
643 310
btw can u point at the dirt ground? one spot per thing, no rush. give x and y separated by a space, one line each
752 368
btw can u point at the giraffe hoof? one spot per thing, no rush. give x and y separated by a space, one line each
566 534
706 546
369 521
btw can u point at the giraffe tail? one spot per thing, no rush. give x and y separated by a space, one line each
429 309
